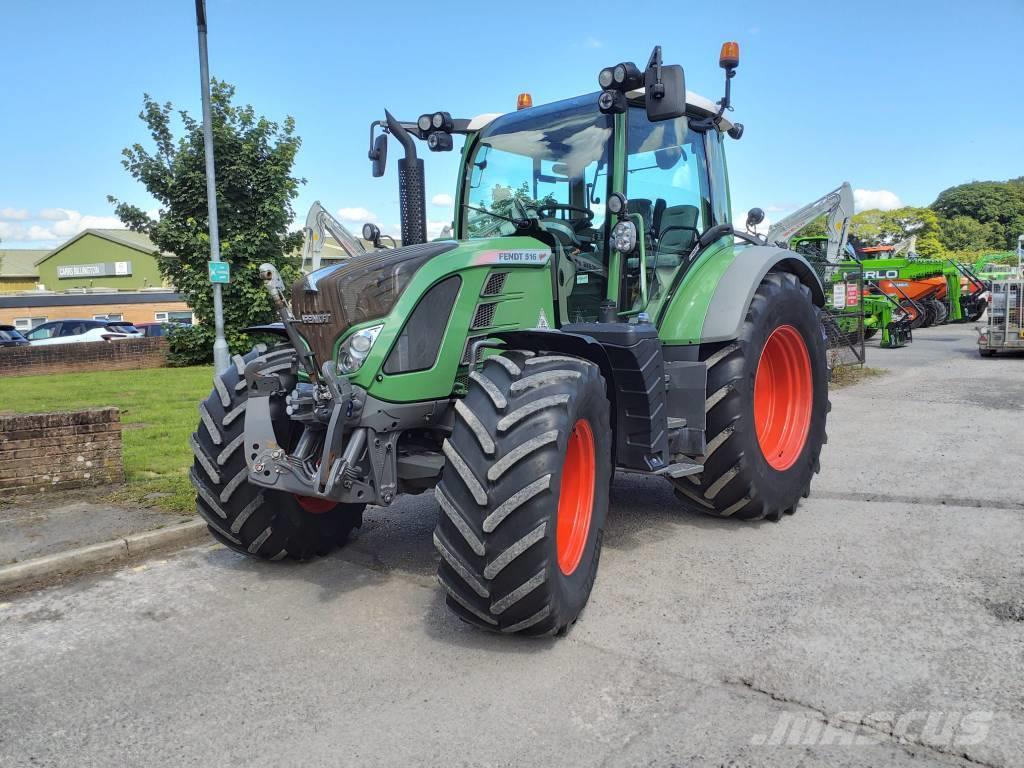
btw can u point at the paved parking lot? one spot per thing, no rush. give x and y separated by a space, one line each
883 624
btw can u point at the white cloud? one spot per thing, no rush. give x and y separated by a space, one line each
434 228
443 200
14 214
52 214
869 199
593 42
356 215
60 224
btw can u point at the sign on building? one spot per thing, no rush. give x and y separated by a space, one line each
107 269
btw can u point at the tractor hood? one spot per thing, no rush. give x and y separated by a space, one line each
331 300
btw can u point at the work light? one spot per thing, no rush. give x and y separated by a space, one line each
624 237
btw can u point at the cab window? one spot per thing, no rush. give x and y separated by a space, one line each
667 185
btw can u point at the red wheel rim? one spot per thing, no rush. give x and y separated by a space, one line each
576 497
783 397
315 505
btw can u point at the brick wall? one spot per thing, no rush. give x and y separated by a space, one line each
42 451
150 352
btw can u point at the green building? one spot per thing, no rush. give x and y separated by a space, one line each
115 259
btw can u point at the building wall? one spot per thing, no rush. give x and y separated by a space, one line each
16 284
93 249
133 313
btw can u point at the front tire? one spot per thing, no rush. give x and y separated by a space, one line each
524 493
766 409
258 522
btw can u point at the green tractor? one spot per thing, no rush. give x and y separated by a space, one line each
594 313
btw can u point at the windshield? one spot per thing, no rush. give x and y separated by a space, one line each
550 165
542 163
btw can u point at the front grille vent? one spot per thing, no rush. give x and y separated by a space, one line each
495 284
484 316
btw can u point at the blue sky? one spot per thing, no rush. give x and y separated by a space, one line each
903 99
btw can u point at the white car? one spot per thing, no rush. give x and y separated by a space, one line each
76 331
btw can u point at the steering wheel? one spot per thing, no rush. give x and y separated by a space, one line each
586 214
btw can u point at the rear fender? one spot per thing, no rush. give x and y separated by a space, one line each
728 307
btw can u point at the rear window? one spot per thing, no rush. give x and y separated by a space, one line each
122 328
10 335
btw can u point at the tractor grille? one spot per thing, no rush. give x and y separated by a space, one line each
484 316
495 284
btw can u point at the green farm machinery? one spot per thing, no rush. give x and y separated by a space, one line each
595 312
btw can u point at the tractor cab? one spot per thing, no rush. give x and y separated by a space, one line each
551 172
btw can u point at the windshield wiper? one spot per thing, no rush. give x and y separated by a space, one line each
490 213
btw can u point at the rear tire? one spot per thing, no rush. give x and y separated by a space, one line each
257 522
741 478
915 313
524 493
941 312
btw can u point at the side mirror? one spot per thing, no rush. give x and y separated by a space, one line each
665 100
754 217
379 155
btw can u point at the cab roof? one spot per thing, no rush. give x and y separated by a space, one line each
695 100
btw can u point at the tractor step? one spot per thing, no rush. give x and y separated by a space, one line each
677 470
681 469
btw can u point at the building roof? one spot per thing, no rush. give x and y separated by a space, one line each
137 240
21 262
47 299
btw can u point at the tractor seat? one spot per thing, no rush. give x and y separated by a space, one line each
678 232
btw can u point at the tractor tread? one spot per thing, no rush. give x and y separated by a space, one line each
730 485
499 492
251 520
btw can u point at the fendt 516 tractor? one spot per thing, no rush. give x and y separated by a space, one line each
593 313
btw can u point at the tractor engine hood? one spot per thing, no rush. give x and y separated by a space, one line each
332 299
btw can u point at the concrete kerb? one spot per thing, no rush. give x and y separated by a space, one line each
39 569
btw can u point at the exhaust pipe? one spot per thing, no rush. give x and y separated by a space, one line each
412 193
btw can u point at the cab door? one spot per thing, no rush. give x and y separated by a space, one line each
667 185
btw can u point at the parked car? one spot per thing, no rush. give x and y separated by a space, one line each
11 337
76 331
159 329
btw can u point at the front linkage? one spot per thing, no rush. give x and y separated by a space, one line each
348 447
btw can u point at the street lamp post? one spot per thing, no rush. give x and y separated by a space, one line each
221 357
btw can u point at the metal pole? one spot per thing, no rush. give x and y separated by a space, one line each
221 356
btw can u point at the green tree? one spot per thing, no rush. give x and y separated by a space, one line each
989 202
876 227
255 189
962 233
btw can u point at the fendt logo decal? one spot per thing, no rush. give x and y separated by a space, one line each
878 274
316 318
529 258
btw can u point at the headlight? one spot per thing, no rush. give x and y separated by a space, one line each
624 237
356 347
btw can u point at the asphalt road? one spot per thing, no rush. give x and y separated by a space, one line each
891 606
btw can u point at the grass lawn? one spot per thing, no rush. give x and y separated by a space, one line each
847 375
158 413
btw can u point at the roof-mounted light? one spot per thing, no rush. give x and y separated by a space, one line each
524 101
729 58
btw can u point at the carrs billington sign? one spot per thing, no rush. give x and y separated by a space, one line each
108 269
